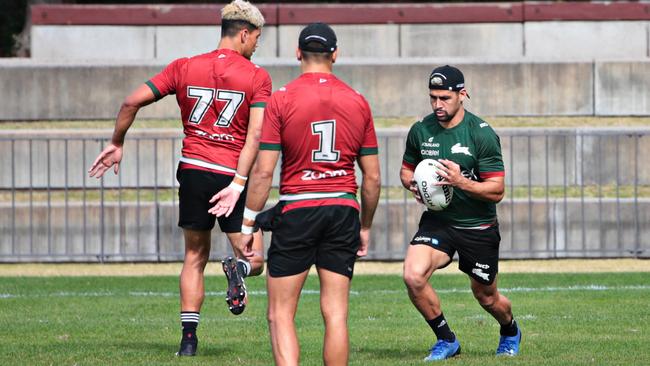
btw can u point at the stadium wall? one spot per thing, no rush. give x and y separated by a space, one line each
497 32
147 231
34 90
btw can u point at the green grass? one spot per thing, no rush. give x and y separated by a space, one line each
167 194
380 122
567 319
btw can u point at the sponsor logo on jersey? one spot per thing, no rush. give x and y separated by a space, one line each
430 144
458 149
221 56
425 152
430 148
216 136
484 124
479 272
308 174
322 80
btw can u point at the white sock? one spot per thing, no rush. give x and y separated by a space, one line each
246 265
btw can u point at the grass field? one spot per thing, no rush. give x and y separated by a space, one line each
567 319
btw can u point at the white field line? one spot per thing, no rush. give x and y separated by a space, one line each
593 287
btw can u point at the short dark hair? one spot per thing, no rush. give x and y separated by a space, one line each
230 27
316 56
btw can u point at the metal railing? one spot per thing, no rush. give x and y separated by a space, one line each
569 193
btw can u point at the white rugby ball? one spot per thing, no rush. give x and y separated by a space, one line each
436 198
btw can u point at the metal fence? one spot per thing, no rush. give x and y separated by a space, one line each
569 193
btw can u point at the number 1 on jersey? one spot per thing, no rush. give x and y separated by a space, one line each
326 131
204 98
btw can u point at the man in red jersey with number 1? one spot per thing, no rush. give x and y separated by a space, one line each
222 96
321 126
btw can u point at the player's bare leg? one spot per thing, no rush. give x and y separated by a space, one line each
197 252
500 308
284 293
334 295
420 263
492 301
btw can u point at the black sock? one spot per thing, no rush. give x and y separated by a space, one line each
441 328
189 321
509 330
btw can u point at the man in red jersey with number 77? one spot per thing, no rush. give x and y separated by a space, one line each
221 95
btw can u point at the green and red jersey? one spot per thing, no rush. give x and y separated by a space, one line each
474 146
215 92
322 126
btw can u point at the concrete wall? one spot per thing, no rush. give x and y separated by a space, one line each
504 42
44 91
148 232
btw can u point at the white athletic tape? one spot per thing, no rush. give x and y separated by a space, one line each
250 214
237 187
246 230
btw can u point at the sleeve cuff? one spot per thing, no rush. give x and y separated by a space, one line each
407 165
484 175
369 151
155 90
270 146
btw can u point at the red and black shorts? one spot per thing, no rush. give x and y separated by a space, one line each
195 191
478 249
327 236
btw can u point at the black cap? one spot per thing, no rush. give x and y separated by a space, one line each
320 33
446 78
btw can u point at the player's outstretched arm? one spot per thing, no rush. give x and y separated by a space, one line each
226 199
258 192
111 156
370 189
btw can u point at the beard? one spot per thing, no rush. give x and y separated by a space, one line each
444 118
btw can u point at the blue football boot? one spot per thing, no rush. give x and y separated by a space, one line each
443 350
509 346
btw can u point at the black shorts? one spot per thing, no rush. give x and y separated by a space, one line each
478 250
327 236
194 193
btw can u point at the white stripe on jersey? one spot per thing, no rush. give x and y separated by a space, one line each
309 196
204 164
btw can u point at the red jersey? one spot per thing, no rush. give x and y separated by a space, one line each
215 92
322 126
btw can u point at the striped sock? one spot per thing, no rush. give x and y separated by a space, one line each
189 321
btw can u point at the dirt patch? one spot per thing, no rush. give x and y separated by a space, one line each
173 269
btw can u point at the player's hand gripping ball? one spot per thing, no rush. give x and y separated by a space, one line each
435 197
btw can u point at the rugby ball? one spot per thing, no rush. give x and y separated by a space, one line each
436 198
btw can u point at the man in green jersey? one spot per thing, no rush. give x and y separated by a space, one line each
468 152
